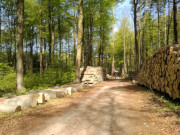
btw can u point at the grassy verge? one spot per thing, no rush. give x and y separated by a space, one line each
166 103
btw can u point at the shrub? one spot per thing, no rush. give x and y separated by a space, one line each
7 78
51 77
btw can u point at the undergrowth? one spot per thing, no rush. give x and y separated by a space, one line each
53 76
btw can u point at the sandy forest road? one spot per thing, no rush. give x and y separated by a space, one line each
111 108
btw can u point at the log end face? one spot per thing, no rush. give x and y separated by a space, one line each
18 109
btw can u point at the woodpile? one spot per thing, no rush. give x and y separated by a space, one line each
92 75
162 71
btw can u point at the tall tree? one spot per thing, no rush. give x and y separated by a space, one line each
19 40
124 44
0 27
80 34
50 29
158 10
135 3
41 54
175 22
113 68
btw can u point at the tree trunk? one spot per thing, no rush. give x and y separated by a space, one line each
19 40
49 26
60 46
90 42
102 50
31 51
143 33
53 37
130 54
169 22
0 28
15 44
136 35
112 70
140 35
60 38
158 8
83 46
100 47
45 55
165 35
52 51
80 34
41 55
9 45
175 22
74 31
125 64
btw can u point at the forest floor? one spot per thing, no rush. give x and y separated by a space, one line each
114 107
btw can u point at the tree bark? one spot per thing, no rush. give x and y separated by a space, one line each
136 35
0 28
158 9
52 51
74 32
60 37
41 55
165 28
15 43
175 22
140 35
19 40
80 34
90 42
31 51
130 54
169 22
112 70
144 26
124 43
9 45
83 46
100 47
49 26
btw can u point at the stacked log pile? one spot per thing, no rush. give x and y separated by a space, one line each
92 75
162 71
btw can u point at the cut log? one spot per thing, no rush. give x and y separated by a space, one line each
69 90
41 98
49 94
24 100
77 87
60 92
9 108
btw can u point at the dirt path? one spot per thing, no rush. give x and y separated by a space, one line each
111 108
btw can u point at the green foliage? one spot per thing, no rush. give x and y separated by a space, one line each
7 78
51 77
